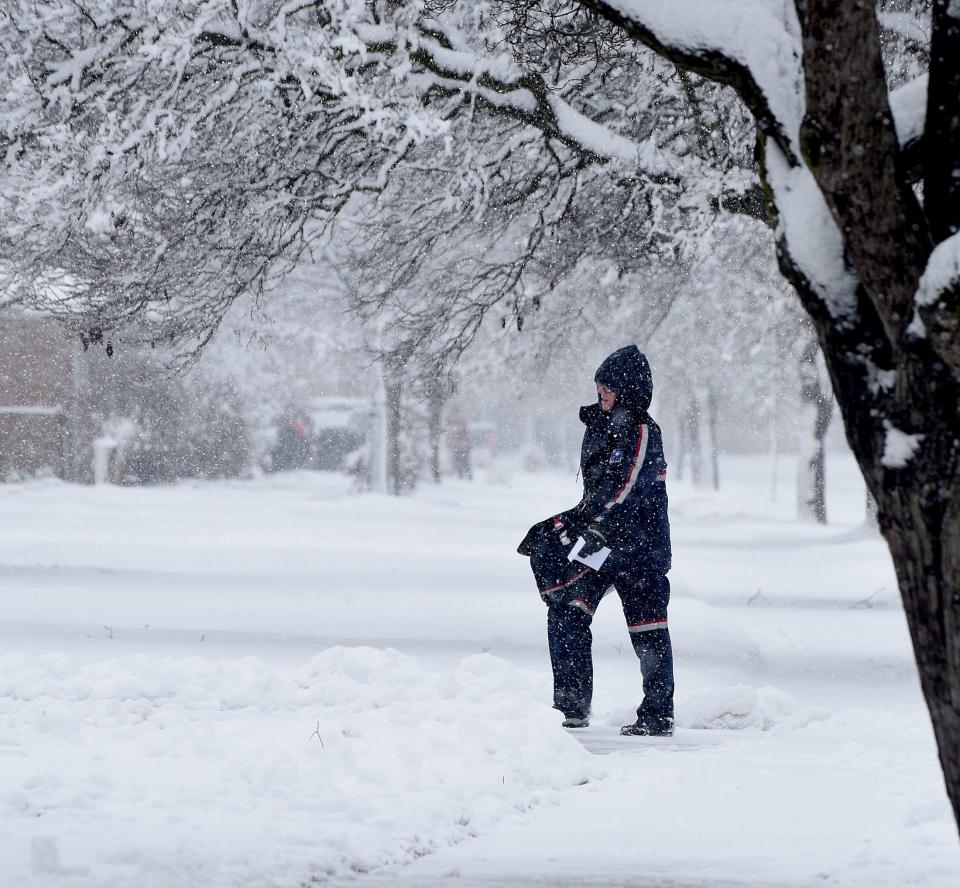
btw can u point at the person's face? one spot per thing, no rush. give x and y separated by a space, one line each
607 398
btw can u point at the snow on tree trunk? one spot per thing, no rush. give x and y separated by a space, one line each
816 410
871 518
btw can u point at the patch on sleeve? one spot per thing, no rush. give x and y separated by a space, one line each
616 456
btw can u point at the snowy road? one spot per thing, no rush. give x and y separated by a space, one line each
274 683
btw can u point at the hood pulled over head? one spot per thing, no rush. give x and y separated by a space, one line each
627 374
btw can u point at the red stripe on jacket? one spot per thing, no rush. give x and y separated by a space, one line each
630 480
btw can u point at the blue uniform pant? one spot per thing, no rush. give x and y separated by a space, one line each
644 600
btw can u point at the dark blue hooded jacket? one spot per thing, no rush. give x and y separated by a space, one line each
624 471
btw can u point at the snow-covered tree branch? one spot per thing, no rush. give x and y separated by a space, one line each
169 156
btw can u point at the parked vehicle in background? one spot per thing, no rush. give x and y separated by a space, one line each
321 434
340 427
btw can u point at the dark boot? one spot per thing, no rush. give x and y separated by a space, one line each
662 728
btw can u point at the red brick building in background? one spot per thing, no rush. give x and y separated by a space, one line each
44 426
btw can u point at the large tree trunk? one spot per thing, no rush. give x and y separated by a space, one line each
921 524
910 464
904 439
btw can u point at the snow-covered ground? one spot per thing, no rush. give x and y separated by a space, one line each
279 683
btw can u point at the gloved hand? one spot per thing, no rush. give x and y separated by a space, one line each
593 540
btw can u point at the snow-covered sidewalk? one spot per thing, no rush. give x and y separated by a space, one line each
839 802
275 682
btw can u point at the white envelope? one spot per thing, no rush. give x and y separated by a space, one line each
595 560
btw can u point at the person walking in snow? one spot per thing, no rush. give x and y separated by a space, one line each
460 444
623 509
